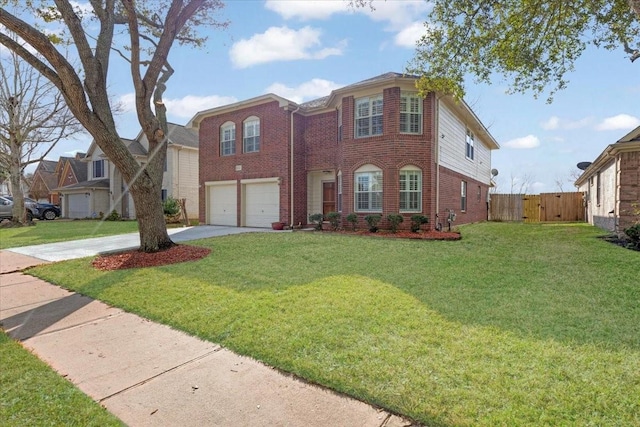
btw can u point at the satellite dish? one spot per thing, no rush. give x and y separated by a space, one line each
583 165
494 172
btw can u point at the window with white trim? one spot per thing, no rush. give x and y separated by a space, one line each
368 116
99 169
251 136
463 196
368 189
228 139
410 189
469 145
164 194
339 202
410 113
339 124
598 188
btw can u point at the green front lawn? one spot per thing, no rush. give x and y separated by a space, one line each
32 394
515 324
61 230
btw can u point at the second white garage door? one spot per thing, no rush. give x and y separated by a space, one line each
78 205
223 202
262 204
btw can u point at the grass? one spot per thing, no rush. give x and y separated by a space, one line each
32 394
516 324
62 230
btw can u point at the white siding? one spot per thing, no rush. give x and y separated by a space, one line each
452 138
598 214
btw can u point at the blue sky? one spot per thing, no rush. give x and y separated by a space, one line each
301 50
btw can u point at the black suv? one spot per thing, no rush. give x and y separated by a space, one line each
39 210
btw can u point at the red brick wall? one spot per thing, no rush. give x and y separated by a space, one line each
390 152
629 188
450 198
271 161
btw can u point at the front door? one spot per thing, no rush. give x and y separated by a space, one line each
328 197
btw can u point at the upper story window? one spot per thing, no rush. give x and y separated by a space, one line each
251 137
410 113
339 124
410 189
368 189
469 145
368 116
99 169
228 139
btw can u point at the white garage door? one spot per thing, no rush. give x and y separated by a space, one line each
223 202
78 205
262 204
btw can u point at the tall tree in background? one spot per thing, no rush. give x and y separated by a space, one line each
33 119
150 37
532 43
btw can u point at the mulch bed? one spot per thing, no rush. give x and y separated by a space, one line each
138 259
403 234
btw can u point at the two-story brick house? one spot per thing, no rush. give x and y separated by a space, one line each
371 147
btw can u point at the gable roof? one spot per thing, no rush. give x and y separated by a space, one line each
628 143
194 123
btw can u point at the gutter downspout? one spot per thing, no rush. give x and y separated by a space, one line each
291 181
437 155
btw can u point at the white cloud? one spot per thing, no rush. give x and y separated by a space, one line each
281 44
619 122
525 142
314 88
186 106
556 123
306 10
410 35
402 17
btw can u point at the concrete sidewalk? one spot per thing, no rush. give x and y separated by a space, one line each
148 374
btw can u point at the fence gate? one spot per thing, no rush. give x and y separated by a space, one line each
532 208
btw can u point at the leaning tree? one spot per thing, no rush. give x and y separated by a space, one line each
534 44
33 119
152 27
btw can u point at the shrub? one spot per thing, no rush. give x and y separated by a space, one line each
394 220
373 221
113 216
417 220
353 219
171 206
316 219
334 219
633 233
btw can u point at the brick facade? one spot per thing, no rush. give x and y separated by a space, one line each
322 148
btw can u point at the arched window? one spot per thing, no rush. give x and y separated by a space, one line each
251 135
228 139
368 189
410 189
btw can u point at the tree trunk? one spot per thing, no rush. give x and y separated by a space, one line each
149 212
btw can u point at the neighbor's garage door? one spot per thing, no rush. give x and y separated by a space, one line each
78 206
262 204
223 202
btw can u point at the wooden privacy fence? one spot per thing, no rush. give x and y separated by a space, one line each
544 207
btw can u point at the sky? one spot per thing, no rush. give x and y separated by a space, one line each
301 50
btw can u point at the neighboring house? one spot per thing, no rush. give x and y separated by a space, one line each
612 184
44 182
104 189
374 147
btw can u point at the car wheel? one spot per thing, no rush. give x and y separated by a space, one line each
49 215
29 216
